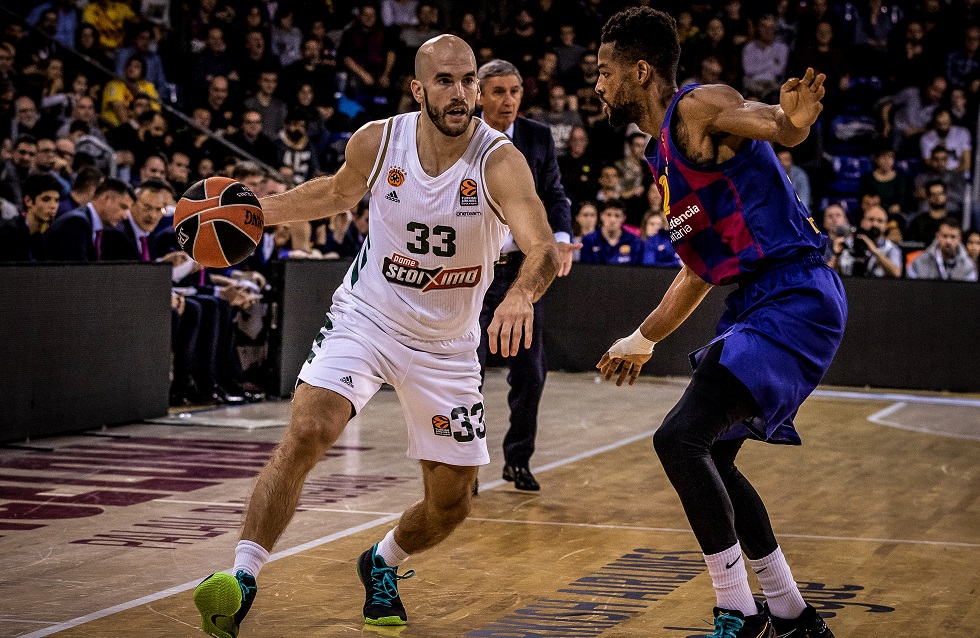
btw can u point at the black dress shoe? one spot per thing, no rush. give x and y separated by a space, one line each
178 400
522 478
224 396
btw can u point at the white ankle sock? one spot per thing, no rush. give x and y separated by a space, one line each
782 594
389 550
731 581
250 557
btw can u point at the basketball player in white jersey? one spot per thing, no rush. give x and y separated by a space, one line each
445 188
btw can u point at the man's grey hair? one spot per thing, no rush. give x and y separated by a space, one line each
496 69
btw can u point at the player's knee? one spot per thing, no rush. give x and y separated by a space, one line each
452 511
309 436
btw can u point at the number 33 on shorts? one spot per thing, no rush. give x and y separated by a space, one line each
462 424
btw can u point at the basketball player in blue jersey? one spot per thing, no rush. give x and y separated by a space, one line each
446 188
735 219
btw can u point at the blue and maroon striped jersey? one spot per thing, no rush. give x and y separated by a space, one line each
738 217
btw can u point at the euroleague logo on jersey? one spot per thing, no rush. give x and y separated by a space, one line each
440 425
396 176
467 193
405 271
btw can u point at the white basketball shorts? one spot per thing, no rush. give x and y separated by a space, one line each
439 393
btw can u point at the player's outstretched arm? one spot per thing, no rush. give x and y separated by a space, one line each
722 109
628 355
511 184
326 196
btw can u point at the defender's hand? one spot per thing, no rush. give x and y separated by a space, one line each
628 366
514 315
566 255
800 98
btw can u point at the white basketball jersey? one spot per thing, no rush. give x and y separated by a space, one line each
432 242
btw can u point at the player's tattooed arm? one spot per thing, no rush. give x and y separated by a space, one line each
511 185
332 194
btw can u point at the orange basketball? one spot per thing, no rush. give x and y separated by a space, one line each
218 222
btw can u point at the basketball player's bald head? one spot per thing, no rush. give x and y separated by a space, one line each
441 52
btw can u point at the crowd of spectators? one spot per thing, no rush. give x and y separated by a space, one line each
109 108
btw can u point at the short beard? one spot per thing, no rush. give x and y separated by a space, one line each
438 118
626 109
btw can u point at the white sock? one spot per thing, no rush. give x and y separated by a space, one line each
250 557
782 594
389 550
731 581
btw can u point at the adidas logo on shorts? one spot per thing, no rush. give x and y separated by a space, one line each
347 381
393 197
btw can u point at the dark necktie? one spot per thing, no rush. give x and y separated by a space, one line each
144 249
98 245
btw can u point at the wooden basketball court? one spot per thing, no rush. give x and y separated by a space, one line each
878 514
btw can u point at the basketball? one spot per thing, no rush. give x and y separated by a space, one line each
218 222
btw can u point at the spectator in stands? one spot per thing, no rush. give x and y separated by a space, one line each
954 139
837 228
311 69
251 175
23 238
426 27
224 113
824 54
48 161
143 43
963 113
368 54
610 184
560 118
335 242
272 110
737 25
656 248
710 72
610 244
27 119
890 185
17 168
8 71
212 62
119 94
937 168
946 258
972 243
568 50
868 253
67 18
963 65
87 180
522 43
295 149
764 61
908 112
83 110
253 141
77 235
578 168
153 168
797 177
92 147
585 221
537 86
179 171
923 227
87 44
110 18
256 60
285 37
715 44
357 232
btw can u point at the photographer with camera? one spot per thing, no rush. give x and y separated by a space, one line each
866 252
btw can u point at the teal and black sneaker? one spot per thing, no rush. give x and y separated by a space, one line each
223 601
733 624
382 606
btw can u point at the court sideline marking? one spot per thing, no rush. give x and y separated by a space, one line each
909 398
879 419
170 591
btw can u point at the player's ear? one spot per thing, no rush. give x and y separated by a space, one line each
417 92
644 72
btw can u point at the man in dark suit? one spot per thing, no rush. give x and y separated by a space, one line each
77 235
501 88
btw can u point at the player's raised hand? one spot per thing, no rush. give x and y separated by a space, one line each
800 98
514 316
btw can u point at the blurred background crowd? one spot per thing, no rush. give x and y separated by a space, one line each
110 109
